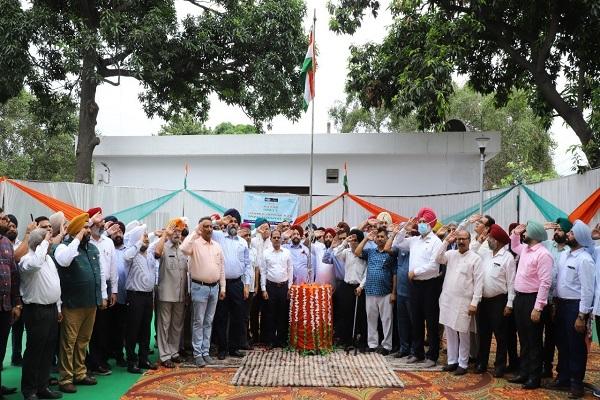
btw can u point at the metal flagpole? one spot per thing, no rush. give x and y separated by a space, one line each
312 145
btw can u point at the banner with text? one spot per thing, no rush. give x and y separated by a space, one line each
274 208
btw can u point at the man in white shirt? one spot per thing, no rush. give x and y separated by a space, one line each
97 359
259 243
499 271
424 273
354 274
40 291
459 299
276 276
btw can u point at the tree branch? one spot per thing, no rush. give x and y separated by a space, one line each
544 50
118 58
109 72
117 83
197 3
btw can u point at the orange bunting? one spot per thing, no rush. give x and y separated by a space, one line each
588 209
52 203
311 318
375 210
304 217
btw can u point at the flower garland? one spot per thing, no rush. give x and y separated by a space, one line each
314 333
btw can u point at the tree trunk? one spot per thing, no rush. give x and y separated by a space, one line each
88 111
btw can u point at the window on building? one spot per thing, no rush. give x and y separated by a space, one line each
333 175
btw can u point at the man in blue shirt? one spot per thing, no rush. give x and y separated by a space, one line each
379 285
299 254
230 310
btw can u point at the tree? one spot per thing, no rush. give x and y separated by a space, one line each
63 50
189 125
28 150
500 45
526 145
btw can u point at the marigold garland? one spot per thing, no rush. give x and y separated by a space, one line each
314 332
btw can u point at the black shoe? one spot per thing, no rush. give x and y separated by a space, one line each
576 393
236 354
147 365
132 369
101 371
6 390
518 379
460 371
499 372
87 381
480 369
402 354
450 368
531 384
49 394
384 352
221 356
371 350
559 385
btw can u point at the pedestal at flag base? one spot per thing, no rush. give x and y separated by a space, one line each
311 318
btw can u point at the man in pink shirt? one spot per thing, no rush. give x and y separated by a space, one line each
207 271
532 283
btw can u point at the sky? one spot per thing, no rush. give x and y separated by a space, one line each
121 112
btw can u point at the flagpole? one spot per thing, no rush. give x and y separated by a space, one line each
312 149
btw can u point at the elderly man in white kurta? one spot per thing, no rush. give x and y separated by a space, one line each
460 296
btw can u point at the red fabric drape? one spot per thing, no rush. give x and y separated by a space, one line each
50 202
374 209
586 210
304 217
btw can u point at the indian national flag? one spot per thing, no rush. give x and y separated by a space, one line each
345 178
308 72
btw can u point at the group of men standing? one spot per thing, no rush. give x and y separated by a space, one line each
92 285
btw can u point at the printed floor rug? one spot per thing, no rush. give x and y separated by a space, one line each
286 368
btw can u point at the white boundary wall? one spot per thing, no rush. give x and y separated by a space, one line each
566 193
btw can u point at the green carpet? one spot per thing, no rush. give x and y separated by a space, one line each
109 387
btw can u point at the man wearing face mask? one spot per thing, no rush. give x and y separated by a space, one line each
426 283
40 288
78 264
141 275
97 359
574 300
496 305
172 292
532 283
230 310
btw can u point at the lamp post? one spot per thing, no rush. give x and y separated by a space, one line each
481 143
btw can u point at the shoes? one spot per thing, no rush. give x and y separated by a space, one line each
147 365
208 360
576 393
49 394
596 393
384 352
413 359
67 388
7 390
401 354
518 379
132 369
177 359
101 371
32 396
371 350
531 384
200 362
480 369
559 385
429 364
499 372
236 354
168 364
450 368
87 381
460 371
222 356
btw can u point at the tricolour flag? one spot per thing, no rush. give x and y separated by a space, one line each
307 73
186 169
345 179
